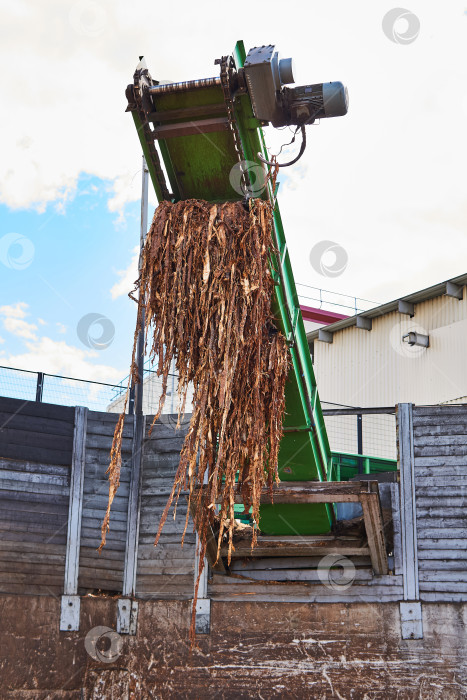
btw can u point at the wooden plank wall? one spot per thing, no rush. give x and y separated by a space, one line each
165 571
440 454
103 571
36 442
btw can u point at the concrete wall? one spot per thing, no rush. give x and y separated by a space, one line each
255 650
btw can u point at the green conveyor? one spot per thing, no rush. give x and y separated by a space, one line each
197 165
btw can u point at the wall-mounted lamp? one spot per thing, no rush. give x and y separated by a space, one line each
414 338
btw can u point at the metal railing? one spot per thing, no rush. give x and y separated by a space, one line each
54 388
332 301
358 431
361 431
98 396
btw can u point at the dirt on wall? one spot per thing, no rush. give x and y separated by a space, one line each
254 650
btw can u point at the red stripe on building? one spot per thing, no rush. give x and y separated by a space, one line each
309 313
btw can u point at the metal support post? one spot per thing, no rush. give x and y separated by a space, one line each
127 609
70 606
410 609
39 386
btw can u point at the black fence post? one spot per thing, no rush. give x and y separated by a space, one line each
39 386
360 441
131 400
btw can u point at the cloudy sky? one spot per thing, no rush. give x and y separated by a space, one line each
386 183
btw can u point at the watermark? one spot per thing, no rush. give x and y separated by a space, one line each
399 341
337 572
401 26
328 258
16 251
248 178
88 18
95 331
103 644
172 420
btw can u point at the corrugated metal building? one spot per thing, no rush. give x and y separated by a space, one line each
368 360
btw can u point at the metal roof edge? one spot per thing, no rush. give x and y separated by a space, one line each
414 298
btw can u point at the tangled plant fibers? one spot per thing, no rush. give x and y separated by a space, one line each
206 288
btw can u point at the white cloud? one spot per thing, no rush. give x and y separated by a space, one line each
41 322
58 357
20 328
17 310
13 320
43 354
386 181
2 340
127 277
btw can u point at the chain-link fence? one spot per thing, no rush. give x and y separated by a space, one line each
366 431
98 396
351 430
54 388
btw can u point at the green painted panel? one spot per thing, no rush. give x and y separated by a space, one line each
295 519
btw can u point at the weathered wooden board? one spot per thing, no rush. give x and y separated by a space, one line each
442 412
382 588
31 438
33 467
453 564
446 496
445 464
167 570
28 480
40 410
311 575
32 503
36 589
436 429
40 454
440 446
36 432
445 587
452 523
435 543
440 451
103 571
452 510
49 426
444 476
430 530
442 441
396 526
106 428
104 443
34 537
54 557
33 522
243 566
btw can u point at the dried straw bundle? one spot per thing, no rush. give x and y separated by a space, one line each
206 289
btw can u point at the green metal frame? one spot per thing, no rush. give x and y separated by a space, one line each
198 166
346 465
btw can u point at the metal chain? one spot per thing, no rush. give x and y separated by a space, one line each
227 67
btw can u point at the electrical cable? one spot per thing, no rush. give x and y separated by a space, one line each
291 162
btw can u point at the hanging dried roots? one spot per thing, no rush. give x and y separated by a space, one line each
206 288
